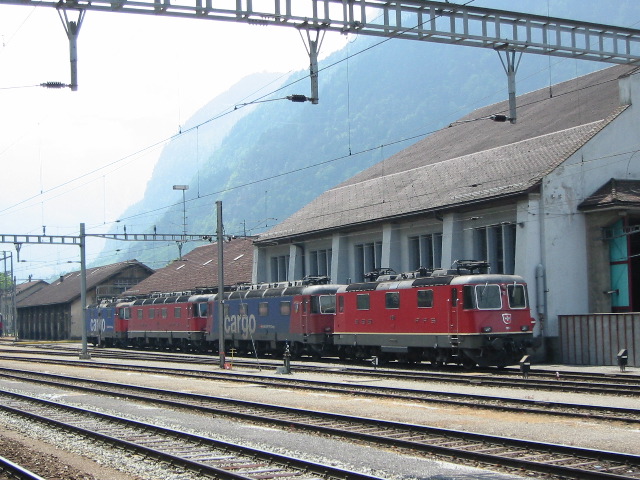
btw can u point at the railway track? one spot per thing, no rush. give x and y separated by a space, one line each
202 456
503 404
12 471
476 449
567 381
610 389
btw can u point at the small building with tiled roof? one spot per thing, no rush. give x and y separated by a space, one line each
534 198
26 289
55 312
10 298
199 269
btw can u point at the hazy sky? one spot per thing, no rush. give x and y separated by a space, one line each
71 157
140 78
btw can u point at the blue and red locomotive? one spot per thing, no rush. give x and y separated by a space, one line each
443 317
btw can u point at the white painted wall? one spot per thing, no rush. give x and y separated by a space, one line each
612 153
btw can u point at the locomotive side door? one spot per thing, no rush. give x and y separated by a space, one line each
453 311
304 316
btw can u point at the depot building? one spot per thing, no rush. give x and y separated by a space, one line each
554 198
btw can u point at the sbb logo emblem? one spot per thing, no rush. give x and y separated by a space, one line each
243 325
506 318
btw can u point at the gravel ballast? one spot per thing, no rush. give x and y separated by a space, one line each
374 461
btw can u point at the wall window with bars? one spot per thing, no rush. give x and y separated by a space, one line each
497 245
425 251
280 268
320 263
367 258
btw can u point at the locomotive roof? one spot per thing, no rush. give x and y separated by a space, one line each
400 284
487 278
285 290
470 162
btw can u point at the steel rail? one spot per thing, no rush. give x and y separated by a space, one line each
459 379
503 404
13 471
546 458
148 441
409 372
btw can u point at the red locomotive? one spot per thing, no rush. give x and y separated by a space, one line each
169 321
452 316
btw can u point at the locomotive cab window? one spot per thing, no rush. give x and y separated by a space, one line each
315 304
263 309
425 298
392 299
488 297
341 304
362 301
468 297
242 309
285 308
327 304
517 296
323 304
124 313
202 309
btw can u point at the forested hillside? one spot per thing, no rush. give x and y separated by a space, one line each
267 163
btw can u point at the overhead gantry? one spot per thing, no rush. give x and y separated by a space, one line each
509 33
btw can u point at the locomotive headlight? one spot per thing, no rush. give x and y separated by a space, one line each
487 329
524 328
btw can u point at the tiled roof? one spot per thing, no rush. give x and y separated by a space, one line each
470 161
614 193
23 290
67 289
199 268
565 105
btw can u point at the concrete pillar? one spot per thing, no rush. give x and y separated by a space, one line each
296 262
340 259
452 239
391 248
259 269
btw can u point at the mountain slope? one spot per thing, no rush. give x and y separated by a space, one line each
281 155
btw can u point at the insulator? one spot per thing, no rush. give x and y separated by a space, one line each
54 85
297 98
499 118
